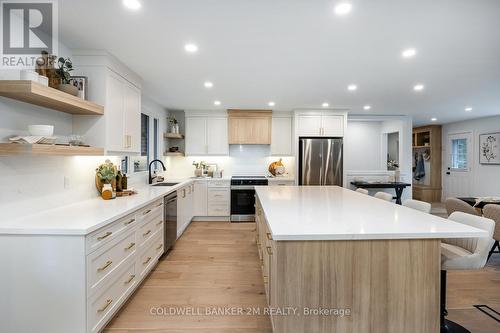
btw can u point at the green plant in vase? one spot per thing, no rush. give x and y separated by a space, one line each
65 66
106 174
200 166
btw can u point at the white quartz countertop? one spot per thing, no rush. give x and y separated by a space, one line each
335 213
84 217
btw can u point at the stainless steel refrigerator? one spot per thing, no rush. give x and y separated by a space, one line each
320 161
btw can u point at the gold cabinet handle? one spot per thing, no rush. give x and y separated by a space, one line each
146 233
129 222
130 246
147 212
262 262
159 223
108 303
130 279
269 236
266 279
159 247
269 250
183 192
147 261
106 265
254 230
160 204
100 238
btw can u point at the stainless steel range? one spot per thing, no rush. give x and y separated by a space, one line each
243 197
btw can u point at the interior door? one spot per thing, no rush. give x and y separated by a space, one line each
458 179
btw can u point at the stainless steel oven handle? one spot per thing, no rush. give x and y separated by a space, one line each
236 187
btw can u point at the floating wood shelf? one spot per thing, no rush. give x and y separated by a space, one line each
35 93
173 136
48 150
169 153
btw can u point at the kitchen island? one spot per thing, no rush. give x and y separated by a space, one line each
347 262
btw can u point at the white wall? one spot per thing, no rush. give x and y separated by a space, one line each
365 149
484 179
362 146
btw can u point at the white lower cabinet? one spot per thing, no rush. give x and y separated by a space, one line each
116 268
185 207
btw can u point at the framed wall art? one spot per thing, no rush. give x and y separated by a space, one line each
489 148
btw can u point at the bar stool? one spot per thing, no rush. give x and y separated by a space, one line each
384 196
463 254
493 212
418 205
457 205
362 190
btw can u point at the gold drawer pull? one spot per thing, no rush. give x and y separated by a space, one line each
159 247
269 236
128 222
130 279
160 204
147 261
269 250
147 212
254 230
100 238
266 279
106 265
130 246
146 233
108 303
159 223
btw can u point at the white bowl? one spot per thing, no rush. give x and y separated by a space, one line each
41 130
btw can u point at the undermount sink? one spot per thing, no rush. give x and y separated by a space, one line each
165 184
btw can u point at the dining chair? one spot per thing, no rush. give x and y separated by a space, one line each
418 205
384 196
457 205
493 212
463 254
362 190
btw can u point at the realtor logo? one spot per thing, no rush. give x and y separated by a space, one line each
28 28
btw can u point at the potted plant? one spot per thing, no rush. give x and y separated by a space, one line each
65 66
105 177
199 166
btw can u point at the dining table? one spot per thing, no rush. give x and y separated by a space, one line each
473 202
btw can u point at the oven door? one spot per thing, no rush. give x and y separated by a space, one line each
242 204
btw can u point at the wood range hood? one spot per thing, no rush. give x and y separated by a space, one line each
249 127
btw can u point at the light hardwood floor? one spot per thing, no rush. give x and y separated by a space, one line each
216 264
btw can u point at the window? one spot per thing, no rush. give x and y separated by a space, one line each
459 154
141 162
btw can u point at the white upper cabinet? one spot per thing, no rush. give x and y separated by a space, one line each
332 125
132 117
116 87
281 135
217 141
320 124
206 135
309 125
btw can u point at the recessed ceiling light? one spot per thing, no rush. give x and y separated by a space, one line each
352 87
409 53
271 104
216 102
468 109
343 8
208 84
325 105
191 48
433 119
132 4
418 87
367 107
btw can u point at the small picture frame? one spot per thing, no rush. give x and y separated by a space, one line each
81 82
489 148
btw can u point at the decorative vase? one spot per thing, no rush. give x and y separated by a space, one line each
198 172
68 88
175 128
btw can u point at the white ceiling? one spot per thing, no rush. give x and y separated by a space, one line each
299 54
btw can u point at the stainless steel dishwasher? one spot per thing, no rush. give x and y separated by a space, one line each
170 228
